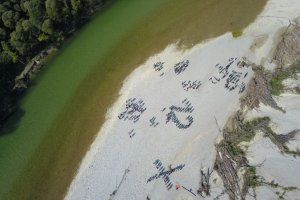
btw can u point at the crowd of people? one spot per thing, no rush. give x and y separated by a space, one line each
164 174
181 66
131 133
187 85
233 77
158 66
187 108
153 122
134 108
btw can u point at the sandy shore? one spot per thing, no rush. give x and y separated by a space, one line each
169 113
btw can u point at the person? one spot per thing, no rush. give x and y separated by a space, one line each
177 186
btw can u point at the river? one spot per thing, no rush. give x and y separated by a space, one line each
43 143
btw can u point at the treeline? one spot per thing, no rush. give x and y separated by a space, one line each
26 28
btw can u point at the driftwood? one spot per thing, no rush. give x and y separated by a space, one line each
284 138
113 194
230 159
258 90
227 162
238 129
280 140
204 189
227 168
288 51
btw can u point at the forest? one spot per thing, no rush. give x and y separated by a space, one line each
26 28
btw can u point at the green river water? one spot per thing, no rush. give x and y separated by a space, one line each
43 143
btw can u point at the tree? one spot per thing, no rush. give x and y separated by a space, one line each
51 8
47 26
10 53
27 26
2 9
36 12
19 40
76 5
7 19
5 58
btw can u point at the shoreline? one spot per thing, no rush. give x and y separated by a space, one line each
78 122
256 50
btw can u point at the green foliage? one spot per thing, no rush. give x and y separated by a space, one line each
6 49
276 85
281 190
250 177
237 34
257 121
47 27
2 9
51 9
76 5
280 75
236 150
2 33
247 129
27 26
8 19
43 37
291 152
5 58
245 133
285 149
36 12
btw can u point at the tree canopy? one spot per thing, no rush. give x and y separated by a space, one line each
27 27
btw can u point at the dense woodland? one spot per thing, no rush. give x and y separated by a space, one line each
26 28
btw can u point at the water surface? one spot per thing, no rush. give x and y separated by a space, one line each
43 145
